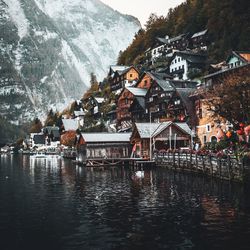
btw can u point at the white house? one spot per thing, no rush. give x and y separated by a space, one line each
183 62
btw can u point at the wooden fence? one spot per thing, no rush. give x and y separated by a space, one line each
229 168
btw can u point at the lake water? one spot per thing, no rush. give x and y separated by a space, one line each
53 204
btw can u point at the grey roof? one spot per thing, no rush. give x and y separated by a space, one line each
137 91
79 113
99 99
184 126
163 40
52 130
106 137
200 33
121 72
191 57
147 129
39 139
173 39
70 124
141 102
162 80
153 129
115 68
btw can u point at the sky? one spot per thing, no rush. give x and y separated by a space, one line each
142 8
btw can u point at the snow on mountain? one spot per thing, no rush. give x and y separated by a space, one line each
48 48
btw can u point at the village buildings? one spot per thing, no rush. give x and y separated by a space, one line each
166 105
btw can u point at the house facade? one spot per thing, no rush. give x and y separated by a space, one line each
159 136
185 64
124 102
124 78
103 146
199 40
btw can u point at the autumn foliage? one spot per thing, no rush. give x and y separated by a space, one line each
68 138
230 98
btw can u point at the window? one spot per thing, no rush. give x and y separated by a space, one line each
131 75
179 59
200 113
213 139
205 139
177 102
208 128
145 82
126 101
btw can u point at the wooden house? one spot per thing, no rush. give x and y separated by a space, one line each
180 42
148 78
180 107
138 110
124 78
186 65
163 136
124 102
103 146
160 95
199 40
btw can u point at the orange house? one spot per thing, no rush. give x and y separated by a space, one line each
124 78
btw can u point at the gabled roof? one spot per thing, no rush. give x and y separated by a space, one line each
163 40
184 127
200 33
176 38
122 72
191 57
114 68
106 137
147 130
140 100
242 55
99 100
70 124
137 91
162 80
52 130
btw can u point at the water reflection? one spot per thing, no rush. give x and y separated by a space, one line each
54 203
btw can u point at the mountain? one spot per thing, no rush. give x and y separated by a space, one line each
227 21
48 49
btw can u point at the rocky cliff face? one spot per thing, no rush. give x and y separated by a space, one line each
48 48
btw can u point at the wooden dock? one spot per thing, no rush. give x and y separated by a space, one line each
229 168
101 162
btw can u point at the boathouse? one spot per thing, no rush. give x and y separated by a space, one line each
165 135
103 146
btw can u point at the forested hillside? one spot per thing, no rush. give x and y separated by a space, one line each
227 21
